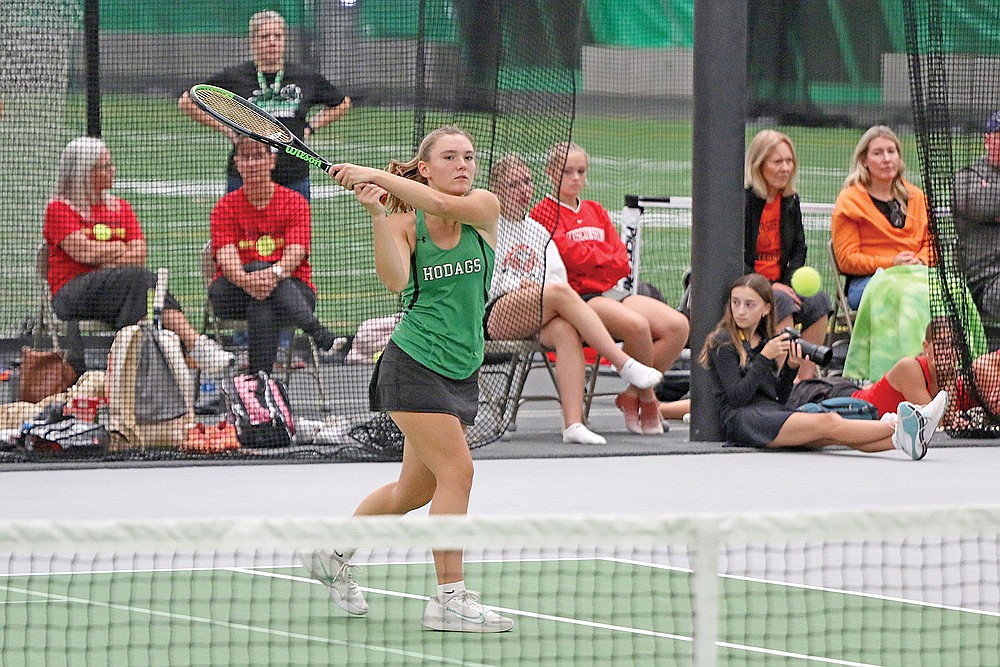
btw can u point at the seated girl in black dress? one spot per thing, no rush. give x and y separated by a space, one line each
753 371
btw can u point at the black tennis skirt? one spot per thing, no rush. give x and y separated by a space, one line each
401 384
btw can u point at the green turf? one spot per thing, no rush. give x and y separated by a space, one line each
155 145
568 612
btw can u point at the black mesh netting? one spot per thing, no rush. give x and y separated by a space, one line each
955 81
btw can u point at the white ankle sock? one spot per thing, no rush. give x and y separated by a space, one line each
639 375
448 591
581 435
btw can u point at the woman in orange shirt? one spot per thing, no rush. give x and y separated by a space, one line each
880 219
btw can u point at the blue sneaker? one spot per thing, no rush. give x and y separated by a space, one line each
908 436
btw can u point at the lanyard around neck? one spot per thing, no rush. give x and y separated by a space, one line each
274 87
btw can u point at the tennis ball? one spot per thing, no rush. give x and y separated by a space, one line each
102 232
806 281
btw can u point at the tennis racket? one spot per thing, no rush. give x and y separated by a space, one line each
244 116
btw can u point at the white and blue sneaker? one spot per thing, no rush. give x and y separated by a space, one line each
462 613
932 413
909 434
333 568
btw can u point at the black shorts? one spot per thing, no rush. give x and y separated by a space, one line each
615 293
811 310
401 384
486 318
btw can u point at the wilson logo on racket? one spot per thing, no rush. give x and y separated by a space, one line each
302 155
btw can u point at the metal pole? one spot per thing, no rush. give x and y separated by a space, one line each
92 50
720 93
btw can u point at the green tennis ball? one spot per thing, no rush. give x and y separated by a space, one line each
806 281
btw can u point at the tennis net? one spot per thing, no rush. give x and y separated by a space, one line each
902 587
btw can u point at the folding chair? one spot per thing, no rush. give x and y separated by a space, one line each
505 370
843 315
73 330
216 326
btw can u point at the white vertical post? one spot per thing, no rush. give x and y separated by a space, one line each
705 593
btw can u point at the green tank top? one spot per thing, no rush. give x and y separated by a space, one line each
444 302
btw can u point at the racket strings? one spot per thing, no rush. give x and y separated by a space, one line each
243 117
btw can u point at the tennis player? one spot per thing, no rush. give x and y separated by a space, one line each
433 239
753 371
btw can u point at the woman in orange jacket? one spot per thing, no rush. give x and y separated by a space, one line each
880 219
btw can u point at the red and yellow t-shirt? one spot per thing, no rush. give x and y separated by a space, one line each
112 221
263 234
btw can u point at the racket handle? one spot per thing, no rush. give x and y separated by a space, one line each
162 275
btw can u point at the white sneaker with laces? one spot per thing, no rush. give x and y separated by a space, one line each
932 413
581 435
908 436
639 375
333 568
463 613
212 357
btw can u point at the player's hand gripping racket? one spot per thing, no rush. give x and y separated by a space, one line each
244 116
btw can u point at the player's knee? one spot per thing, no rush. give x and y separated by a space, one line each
458 477
831 421
562 332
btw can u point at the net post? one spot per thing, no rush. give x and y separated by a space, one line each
705 593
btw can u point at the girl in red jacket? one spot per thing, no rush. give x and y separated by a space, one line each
652 332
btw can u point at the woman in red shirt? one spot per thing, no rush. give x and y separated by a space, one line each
97 254
261 236
652 332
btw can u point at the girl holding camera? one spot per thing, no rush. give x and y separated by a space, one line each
753 371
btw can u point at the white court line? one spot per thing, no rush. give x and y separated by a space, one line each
821 589
576 621
249 628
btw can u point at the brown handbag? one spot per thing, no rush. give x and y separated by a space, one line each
43 373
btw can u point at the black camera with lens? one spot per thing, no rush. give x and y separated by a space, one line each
818 354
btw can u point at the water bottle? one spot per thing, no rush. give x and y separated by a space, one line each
209 401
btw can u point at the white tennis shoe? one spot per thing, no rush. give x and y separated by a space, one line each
333 568
463 613
908 436
211 357
933 412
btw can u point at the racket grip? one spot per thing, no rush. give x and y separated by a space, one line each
159 295
162 275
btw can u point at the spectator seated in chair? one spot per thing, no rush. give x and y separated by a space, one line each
530 297
879 219
260 239
97 254
652 332
774 239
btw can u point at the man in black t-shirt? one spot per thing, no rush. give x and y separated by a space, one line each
286 91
